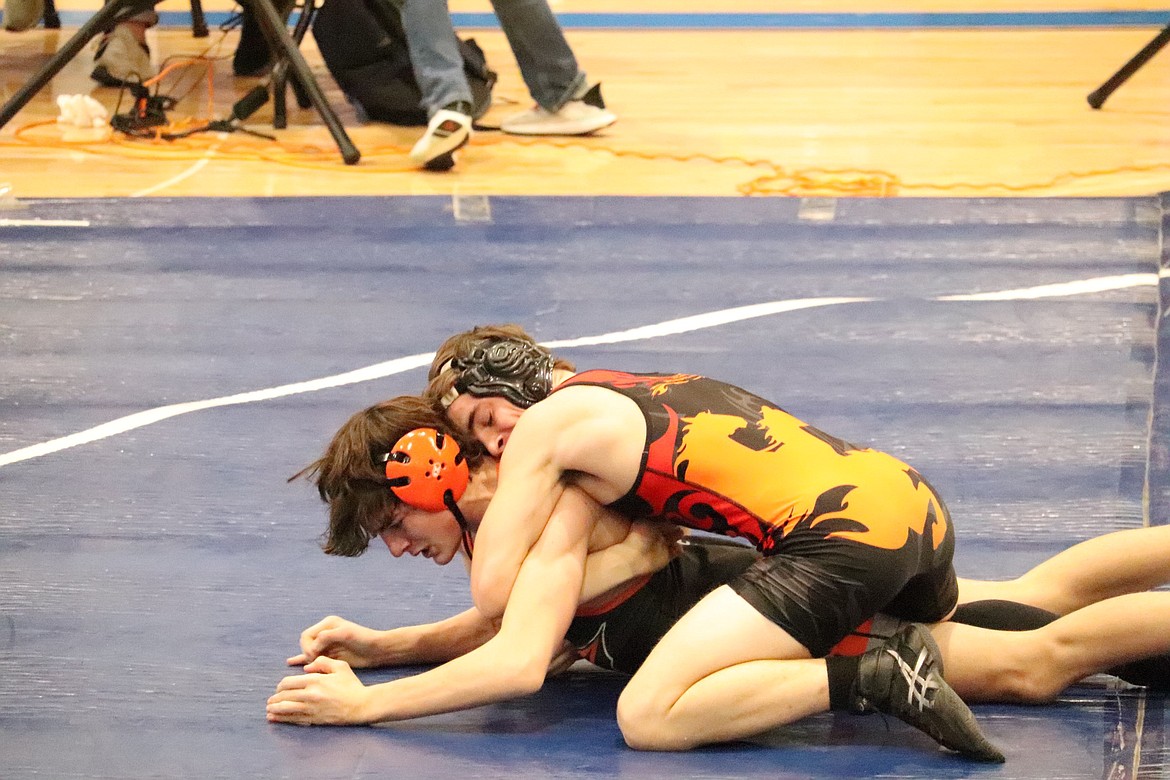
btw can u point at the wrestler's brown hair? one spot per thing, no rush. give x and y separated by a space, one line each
461 345
353 484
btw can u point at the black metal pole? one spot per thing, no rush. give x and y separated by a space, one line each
198 21
1098 97
280 70
279 41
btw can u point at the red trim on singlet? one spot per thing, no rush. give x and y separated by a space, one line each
855 643
595 607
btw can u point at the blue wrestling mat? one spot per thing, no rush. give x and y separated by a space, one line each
168 364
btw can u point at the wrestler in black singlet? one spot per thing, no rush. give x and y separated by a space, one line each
621 637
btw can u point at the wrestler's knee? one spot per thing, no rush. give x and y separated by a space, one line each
644 722
1038 671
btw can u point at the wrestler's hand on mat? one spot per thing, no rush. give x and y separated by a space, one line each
327 694
342 639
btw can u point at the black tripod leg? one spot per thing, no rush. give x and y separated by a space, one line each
280 93
98 23
51 17
298 35
198 21
1098 97
280 41
280 70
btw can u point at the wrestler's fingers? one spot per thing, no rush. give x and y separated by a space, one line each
293 721
323 664
290 694
286 705
319 643
302 658
563 659
312 631
283 697
288 712
296 682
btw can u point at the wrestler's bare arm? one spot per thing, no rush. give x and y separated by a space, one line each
531 482
510 664
643 548
620 550
366 648
585 436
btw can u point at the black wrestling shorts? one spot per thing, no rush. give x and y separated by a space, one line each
819 588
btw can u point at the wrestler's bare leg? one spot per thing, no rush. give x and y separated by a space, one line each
1035 666
1121 562
725 672
722 657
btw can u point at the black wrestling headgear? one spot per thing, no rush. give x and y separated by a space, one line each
516 370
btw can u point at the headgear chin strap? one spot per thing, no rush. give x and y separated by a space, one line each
426 470
518 371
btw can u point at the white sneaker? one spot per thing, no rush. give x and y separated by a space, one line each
447 131
580 116
121 59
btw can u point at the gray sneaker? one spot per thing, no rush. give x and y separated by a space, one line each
903 678
121 59
581 116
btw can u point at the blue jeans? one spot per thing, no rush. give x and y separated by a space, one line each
545 59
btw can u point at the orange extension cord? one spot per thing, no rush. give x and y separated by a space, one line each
776 180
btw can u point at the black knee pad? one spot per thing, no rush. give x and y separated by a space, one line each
1003 615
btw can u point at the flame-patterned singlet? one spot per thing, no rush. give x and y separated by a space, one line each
858 526
720 459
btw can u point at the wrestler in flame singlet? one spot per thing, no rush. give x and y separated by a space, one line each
858 531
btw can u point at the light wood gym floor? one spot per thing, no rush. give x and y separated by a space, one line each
968 112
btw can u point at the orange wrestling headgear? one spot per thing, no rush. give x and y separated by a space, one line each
426 470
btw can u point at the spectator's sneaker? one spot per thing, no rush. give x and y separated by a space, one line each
580 116
903 678
121 59
448 130
20 15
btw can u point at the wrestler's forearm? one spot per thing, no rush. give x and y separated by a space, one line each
515 519
532 479
511 663
438 642
482 676
646 549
